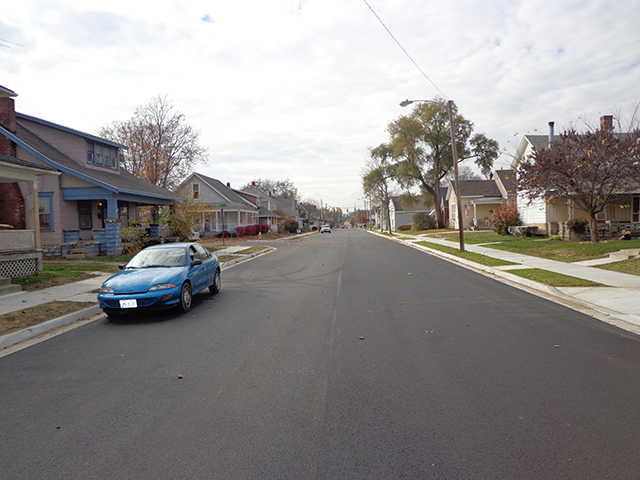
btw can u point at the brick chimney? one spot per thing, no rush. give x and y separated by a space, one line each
606 123
8 121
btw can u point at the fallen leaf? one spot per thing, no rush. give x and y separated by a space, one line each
58 427
401 303
409 273
180 376
467 324
433 331
557 346
361 338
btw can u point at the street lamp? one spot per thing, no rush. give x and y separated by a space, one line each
454 152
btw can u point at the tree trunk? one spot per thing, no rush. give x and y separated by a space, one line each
593 226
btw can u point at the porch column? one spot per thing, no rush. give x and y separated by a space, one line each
112 209
32 213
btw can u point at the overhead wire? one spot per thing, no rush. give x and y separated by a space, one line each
404 50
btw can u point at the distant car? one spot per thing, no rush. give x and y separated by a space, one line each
325 229
160 277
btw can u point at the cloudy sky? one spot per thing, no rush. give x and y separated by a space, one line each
300 89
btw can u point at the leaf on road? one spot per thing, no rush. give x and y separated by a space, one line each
180 376
401 303
361 338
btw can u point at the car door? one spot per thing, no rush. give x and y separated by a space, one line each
197 273
210 266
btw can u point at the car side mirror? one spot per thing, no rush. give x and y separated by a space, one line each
197 261
122 266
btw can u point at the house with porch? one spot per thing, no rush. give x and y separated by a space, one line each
89 196
266 205
226 209
551 217
479 198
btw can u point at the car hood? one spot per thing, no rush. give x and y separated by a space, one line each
141 279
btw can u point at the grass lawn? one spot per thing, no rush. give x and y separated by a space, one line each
627 266
59 273
553 279
560 250
473 257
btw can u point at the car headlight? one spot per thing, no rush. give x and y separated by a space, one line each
106 290
162 286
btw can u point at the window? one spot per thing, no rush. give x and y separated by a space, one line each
203 253
45 211
196 190
635 210
91 158
102 155
98 154
84 215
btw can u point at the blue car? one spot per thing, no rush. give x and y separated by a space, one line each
160 277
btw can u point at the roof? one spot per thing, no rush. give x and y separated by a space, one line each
232 198
26 164
123 182
418 205
479 188
7 92
508 180
88 136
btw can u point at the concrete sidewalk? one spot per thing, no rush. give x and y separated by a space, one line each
617 303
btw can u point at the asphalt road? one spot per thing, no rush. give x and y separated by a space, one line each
340 356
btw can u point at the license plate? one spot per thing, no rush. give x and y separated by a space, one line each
128 303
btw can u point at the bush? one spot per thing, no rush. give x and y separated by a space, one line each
423 221
506 216
291 226
578 225
241 231
404 227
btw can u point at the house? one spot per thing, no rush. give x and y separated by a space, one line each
400 214
264 203
552 217
89 195
479 198
289 205
226 209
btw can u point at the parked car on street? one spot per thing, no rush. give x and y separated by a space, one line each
160 277
325 229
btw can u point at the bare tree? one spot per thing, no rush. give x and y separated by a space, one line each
162 147
592 169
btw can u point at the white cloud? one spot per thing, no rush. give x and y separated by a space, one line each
299 89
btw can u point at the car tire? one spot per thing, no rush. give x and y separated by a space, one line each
217 283
185 297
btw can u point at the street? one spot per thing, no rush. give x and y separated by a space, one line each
338 356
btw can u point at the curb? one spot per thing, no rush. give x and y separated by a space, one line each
27 333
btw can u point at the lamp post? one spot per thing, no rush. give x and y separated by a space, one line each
454 154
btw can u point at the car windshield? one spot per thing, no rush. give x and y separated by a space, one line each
159 257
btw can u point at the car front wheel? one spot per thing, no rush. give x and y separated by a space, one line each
185 298
217 283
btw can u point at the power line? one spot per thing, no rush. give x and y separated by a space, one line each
403 49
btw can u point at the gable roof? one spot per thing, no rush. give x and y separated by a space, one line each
479 188
123 182
18 162
508 180
232 198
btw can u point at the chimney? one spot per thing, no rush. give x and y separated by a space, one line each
8 121
551 139
228 184
606 123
